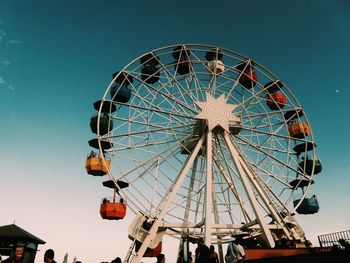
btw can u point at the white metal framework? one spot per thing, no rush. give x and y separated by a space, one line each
203 153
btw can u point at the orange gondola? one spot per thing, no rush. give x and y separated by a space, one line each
276 101
299 130
96 165
113 210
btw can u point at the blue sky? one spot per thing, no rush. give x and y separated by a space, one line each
57 58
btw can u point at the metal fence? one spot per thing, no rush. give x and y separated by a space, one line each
332 239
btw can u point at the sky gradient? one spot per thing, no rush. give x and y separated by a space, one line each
58 57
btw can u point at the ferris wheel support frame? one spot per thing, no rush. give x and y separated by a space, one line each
168 199
244 177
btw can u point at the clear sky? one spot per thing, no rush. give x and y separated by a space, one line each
57 58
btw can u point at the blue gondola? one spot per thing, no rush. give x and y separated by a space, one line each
308 205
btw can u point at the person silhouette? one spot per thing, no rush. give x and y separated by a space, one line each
116 260
202 252
344 244
49 256
213 258
235 252
161 258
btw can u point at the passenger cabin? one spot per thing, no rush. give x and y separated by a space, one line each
307 165
96 165
310 166
248 77
121 90
309 205
106 124
149 70
110 209
107 106
304 147
275 97
215 64
182 56
296 128
300 183
105 145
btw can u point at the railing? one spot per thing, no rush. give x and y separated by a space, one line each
332 239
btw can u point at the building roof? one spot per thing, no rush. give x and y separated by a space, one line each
15 233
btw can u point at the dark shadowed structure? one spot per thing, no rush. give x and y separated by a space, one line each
18 243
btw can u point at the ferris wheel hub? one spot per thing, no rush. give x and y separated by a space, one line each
217 112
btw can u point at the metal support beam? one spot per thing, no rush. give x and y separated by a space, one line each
250 193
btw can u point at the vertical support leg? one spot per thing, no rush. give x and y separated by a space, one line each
208 192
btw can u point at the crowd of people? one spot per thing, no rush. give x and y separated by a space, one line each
203 254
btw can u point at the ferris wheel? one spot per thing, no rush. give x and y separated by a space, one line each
204 142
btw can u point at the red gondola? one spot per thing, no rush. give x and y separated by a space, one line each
276 101
113 210
150 253
248 78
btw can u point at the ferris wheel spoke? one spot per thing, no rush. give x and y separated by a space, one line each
156 110
163 130
254 96
156 93
153 159
142 123
258 148
260 145
232 187
269 134
145 145
236 82
147 170
163 206
258 167
199 195
172 80
168 97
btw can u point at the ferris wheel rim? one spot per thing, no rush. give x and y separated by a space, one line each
101 137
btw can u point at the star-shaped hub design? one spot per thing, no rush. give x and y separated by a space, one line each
218 113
